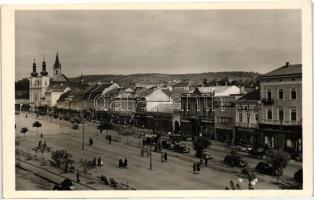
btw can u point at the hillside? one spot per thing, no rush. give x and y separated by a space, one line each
152 78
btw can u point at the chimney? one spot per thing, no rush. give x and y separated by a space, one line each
287 64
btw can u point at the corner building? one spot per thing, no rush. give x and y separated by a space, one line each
281 108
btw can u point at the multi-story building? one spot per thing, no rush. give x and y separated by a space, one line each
197 109
281 108
225 114
247 119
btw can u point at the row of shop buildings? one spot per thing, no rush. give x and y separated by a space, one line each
270 115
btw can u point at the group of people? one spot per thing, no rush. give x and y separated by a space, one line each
164 156
123 164
196 167
98 162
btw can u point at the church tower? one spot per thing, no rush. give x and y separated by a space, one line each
38 85
57 73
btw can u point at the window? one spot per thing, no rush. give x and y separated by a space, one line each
280 94
248 117
293 94
293 114
280 114
256 117
240 117
269 114
269 94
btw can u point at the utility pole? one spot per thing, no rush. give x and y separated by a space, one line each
150 158
83 135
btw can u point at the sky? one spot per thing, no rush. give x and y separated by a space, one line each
157 41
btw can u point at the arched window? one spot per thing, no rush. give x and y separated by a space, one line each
280 94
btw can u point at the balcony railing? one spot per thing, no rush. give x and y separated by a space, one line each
281 122
268 101
245 125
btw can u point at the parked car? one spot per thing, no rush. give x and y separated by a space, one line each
296 156
167 145
207 155
266 168
234 160
258 152
245 148
181 148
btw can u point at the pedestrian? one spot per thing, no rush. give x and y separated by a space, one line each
95 161
120 163
109 138
77 177
142 151
99 161
165 156
201 161
162 157
26 116
194 167
198 167
91 141
41 135
39 144
125 163
143 142
206 161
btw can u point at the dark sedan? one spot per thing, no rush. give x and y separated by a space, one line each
266 168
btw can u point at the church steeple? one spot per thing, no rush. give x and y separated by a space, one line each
34 73
44 72
57 64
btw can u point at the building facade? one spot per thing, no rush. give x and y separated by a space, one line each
281 108
247 119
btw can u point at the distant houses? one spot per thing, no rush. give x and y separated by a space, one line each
269 115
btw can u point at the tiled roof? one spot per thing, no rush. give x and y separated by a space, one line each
251 96
64 96
285 70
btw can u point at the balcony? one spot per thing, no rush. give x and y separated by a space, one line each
282 123
268 101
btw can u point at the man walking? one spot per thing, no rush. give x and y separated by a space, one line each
162 157
165 156
198 167
77 177
125 163
194 167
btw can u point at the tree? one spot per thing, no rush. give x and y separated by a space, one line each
62 159
24 130
199 145
37 124
279 160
